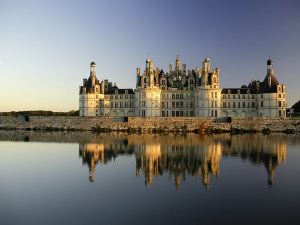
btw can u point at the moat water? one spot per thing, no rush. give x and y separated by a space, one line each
88 178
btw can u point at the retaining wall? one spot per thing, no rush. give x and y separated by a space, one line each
147 124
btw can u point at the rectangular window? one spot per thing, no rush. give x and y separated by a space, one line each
279 103
177 104
229 105
239 105
224 104
216 113
163 113
279 112
261 104
233 105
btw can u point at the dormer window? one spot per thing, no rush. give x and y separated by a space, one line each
126 92
116 92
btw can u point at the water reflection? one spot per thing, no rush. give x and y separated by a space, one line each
182 156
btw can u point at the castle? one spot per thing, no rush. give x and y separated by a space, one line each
182 93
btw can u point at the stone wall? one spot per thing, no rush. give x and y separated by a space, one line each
186 124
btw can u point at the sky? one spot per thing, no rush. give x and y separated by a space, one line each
46 46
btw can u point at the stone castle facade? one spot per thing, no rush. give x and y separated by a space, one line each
182 93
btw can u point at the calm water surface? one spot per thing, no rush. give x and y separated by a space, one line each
87 178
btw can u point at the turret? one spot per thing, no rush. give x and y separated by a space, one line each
177 63
269 72
102 88
206 65
93 73
138 75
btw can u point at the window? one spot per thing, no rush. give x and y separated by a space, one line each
173 104
173 113
181 104
177 104
279 95
212 95
243 96
279 103
239 96
163 104
191 113
239 105
216 113
192 104
262 104
253 105
212 113
163 113
233 96
233 105
229 105
224 104
116 104
243 104
279 112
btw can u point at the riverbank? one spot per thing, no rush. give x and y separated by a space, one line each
154 125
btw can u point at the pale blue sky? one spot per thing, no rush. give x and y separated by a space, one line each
46 46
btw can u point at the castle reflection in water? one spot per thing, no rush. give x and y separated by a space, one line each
182 156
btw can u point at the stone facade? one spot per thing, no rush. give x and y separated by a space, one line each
182 93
